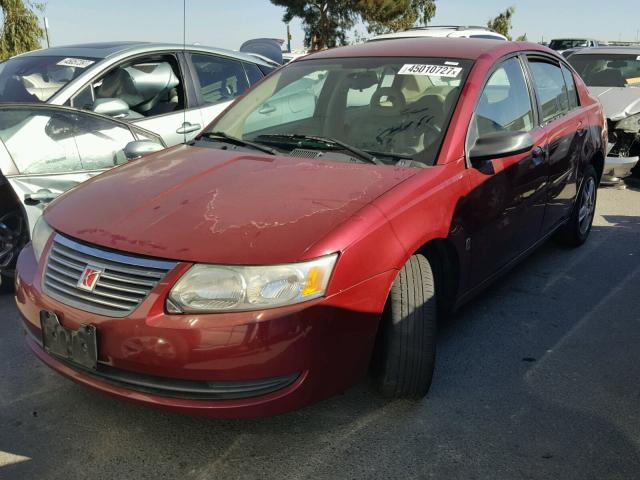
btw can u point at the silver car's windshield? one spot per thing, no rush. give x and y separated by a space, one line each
391 108
608 70
36 78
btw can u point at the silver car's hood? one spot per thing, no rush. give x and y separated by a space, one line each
618 102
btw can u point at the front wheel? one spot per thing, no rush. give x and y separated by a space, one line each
405 352
576 231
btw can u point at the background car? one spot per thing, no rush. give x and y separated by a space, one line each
46 150
613 76
449 31
560 45
173 90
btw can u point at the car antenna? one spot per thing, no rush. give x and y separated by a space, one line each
184 56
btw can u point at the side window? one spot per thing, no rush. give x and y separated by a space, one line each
574 101
505 103
221 79
150 86
49 141
84 99
101 142
551 89
40 141
253 72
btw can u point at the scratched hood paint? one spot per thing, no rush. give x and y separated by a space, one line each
213 206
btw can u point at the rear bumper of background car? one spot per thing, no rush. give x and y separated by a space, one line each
225 365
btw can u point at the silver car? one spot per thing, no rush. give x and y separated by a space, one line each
168 89
46 150
613 76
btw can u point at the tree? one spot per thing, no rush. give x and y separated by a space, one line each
21 30
408 14
326 22
522 38
502 23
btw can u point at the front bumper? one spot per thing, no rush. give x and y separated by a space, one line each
241 364
619 167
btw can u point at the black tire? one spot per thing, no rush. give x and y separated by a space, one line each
576 231
405 352
6 285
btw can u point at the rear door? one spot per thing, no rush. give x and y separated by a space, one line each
53 149
565 126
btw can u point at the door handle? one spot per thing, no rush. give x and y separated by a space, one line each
538 155
188 128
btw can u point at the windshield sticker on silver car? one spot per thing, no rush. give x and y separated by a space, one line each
75 62
430 70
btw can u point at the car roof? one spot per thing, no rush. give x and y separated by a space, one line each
629 50
104 50
463 48
440 31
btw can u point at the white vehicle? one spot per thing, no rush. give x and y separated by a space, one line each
450 31
172 90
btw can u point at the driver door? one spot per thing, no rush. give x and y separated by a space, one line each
48 150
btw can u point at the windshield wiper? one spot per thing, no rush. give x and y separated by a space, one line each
329 142
239 142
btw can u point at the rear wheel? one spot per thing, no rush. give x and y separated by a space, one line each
576 231
406 346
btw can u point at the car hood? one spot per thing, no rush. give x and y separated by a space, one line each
618 102
213 206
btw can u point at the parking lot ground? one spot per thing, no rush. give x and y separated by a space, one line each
538 378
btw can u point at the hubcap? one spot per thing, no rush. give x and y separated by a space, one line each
587 205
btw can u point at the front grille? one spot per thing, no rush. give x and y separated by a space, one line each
124 283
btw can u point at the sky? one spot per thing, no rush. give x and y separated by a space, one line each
226 24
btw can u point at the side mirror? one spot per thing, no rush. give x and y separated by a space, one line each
498 145
140 148
113 107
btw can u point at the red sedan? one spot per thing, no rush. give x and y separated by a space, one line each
317 230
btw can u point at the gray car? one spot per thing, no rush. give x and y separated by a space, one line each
613 76
173 90
45 150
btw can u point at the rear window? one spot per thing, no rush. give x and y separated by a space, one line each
608 70
35 79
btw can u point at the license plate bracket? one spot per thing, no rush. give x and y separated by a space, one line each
76 346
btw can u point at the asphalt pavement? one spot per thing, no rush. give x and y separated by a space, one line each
538 378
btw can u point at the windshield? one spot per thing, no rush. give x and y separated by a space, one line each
35 79
608 70
392 108
567 43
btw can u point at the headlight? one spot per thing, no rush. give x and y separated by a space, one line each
41 233
218 288
629 124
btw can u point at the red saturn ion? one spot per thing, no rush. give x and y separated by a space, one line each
317 230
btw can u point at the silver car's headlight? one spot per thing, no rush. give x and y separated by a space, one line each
222 288
40 236
629 124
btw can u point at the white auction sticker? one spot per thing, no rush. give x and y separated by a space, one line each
430 70
76 62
